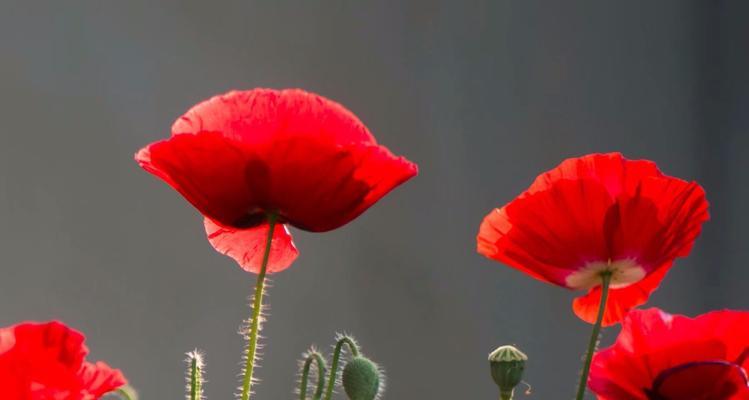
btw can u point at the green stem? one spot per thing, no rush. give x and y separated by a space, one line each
317 358
606 277
336 358
506 395
125 393
257 305
195 384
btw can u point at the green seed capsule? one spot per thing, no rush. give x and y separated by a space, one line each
507 365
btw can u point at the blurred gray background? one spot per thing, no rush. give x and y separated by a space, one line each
483 95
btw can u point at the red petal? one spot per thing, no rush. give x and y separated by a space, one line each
616 173
259 115
620 301
659 222
50 353
46 361
706 380
550 233
99 379
339 183
207 170
247 246
652 342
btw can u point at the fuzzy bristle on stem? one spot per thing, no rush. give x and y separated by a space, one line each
194 377
310 357
340 342
255 321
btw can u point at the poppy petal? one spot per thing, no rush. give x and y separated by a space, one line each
616 173
620 300
655 352
548 232
659 222
53 352
46 361
259 115
247 246
702 380
355 178
207 170
99 379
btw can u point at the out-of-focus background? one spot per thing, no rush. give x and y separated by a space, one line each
483 95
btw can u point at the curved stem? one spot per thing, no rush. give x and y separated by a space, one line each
125 393
257 305
336 358
606 277
317 358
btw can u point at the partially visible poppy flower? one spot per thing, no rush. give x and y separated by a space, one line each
595 215
46 361
244 155
659 356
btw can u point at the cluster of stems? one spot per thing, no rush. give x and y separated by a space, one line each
195 380
324 388
361 378
368 374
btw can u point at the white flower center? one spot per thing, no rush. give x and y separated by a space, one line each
623 273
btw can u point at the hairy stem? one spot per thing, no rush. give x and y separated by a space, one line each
320 362
257 305
606 277
195 381
336 359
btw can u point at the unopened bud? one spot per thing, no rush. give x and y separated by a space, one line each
361 379
507 365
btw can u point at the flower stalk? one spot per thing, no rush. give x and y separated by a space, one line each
257 305
594 335
312 357
126 393
195 376
343 340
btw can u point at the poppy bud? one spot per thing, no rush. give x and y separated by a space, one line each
507 365
361 379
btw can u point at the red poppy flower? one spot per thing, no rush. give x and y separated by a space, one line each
46 362
659 356
597 214
241 156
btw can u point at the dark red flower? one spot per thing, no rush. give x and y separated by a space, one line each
46 361
595 214
659 356
241 156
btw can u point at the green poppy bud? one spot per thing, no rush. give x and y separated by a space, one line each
507 365
361 379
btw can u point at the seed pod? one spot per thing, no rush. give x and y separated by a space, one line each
507 365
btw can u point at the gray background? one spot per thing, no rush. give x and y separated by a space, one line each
482 95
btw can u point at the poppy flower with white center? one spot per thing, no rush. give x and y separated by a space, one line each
594 216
